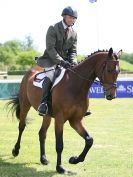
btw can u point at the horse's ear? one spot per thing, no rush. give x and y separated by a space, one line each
119 54
110 52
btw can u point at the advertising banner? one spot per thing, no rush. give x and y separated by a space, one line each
9 88
124 89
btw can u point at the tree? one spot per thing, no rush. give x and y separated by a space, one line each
18 54
127 57
9 51
14 46
27 44
80 58
26 58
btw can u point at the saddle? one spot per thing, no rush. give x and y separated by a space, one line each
58 75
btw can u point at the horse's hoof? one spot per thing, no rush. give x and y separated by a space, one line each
61 170
14 152
44 161
75 160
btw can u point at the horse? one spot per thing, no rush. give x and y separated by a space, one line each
69 101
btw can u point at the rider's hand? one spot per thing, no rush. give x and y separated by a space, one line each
74 63
65 64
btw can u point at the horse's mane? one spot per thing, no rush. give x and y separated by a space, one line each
88 56
98 51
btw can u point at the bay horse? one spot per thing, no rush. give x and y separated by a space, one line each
69 101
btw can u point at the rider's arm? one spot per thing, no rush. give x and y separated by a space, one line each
72 52
50 46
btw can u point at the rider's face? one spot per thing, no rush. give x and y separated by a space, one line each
69 20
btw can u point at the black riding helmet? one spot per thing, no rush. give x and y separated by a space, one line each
69 11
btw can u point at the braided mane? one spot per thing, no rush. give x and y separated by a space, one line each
98 51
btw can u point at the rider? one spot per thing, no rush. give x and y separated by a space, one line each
61 49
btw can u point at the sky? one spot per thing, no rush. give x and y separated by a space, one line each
100 25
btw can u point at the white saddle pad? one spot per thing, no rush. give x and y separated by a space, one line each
40 77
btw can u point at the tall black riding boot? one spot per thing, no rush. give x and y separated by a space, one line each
46 86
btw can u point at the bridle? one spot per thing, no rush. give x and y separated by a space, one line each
102 83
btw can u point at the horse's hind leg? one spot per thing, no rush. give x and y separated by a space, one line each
88 142
42 138
22 124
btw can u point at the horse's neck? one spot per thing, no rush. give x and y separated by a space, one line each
82 78
87 70
90 67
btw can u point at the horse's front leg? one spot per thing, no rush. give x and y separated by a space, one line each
59 144
42 137
88 142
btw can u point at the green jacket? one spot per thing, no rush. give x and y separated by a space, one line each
58 47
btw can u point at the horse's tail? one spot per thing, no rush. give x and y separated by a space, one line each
15 106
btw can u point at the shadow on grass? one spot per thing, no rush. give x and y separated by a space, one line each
8 169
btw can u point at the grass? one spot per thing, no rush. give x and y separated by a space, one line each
111 126
126 66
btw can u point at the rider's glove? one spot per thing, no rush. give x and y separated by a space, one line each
65 64
74 64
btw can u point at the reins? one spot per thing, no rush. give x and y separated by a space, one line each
96 81
81 77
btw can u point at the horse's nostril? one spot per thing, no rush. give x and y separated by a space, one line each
109 97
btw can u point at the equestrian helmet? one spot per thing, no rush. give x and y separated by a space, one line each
69 11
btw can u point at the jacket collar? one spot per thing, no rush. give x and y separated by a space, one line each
63 26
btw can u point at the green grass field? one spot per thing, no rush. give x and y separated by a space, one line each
111 126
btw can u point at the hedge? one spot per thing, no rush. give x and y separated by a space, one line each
16 72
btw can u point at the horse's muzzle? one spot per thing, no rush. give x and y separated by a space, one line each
110 97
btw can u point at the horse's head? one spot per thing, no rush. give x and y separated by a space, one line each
109 72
